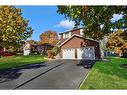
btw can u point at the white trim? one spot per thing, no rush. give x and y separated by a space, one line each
77 36
58 42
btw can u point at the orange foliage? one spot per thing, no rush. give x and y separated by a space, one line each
118 50
50 37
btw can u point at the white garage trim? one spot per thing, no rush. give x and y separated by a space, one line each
68 53
87 53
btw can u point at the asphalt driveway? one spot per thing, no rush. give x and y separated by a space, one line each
58 74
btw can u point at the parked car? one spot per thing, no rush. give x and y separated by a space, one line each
7 53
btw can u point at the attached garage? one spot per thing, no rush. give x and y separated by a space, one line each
78 47
87 53
68 53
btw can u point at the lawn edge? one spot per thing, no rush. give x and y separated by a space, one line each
84 79
15 67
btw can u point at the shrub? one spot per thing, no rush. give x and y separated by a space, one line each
50 54
53 52
56 50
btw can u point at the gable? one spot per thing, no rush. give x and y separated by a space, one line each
77 41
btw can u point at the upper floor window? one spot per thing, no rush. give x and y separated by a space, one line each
67 35
81 32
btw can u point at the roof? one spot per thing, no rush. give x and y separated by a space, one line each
45 44
71 30
60 42
75 35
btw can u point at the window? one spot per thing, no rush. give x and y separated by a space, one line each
81 32
67 35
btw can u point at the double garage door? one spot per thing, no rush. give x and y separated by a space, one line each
82 53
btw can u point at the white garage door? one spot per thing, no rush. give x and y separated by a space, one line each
68 53
86 53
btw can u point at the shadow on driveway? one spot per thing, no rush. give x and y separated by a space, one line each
86 63
13 73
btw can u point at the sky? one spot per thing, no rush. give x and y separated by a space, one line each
43 18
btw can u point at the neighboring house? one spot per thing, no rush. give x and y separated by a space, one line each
26 48
38 48
43 48
74 46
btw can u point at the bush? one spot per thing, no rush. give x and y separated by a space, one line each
53 52
50 54
56 50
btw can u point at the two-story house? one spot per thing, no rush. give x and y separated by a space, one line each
73 45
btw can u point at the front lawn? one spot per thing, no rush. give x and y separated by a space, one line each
107 75
16 61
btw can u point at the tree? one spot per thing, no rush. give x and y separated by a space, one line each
32 42
95 19
117 42
13 27
49 37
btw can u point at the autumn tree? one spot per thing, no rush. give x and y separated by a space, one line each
117 41
49 37
32 42
13 27
95 19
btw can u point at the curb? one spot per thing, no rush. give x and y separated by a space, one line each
84 79
36 76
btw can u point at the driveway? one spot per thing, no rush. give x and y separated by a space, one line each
58 74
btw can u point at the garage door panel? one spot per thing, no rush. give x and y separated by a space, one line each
86 53
68 53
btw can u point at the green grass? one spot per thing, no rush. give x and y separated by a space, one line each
107 75
16 61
